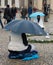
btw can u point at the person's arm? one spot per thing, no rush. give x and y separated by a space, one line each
4 13
24 38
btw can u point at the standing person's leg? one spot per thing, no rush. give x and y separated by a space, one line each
1 23
26 17
23 17
8 21
14 17
29 16
46 18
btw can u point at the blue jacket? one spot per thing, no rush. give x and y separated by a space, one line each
30 10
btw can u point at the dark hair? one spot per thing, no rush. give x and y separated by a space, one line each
38 18
7 5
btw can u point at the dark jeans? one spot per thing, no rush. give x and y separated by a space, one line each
1 23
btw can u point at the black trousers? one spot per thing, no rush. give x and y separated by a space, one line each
8 21
1 23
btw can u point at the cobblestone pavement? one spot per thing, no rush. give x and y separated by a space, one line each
45 50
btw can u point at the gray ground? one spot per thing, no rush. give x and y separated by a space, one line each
45 50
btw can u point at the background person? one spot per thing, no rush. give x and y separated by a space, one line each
23 12
13 11
7 14
29 11
45 12
34 9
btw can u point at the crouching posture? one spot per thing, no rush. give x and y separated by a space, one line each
20 49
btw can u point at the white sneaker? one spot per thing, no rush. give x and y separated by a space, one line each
48 36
